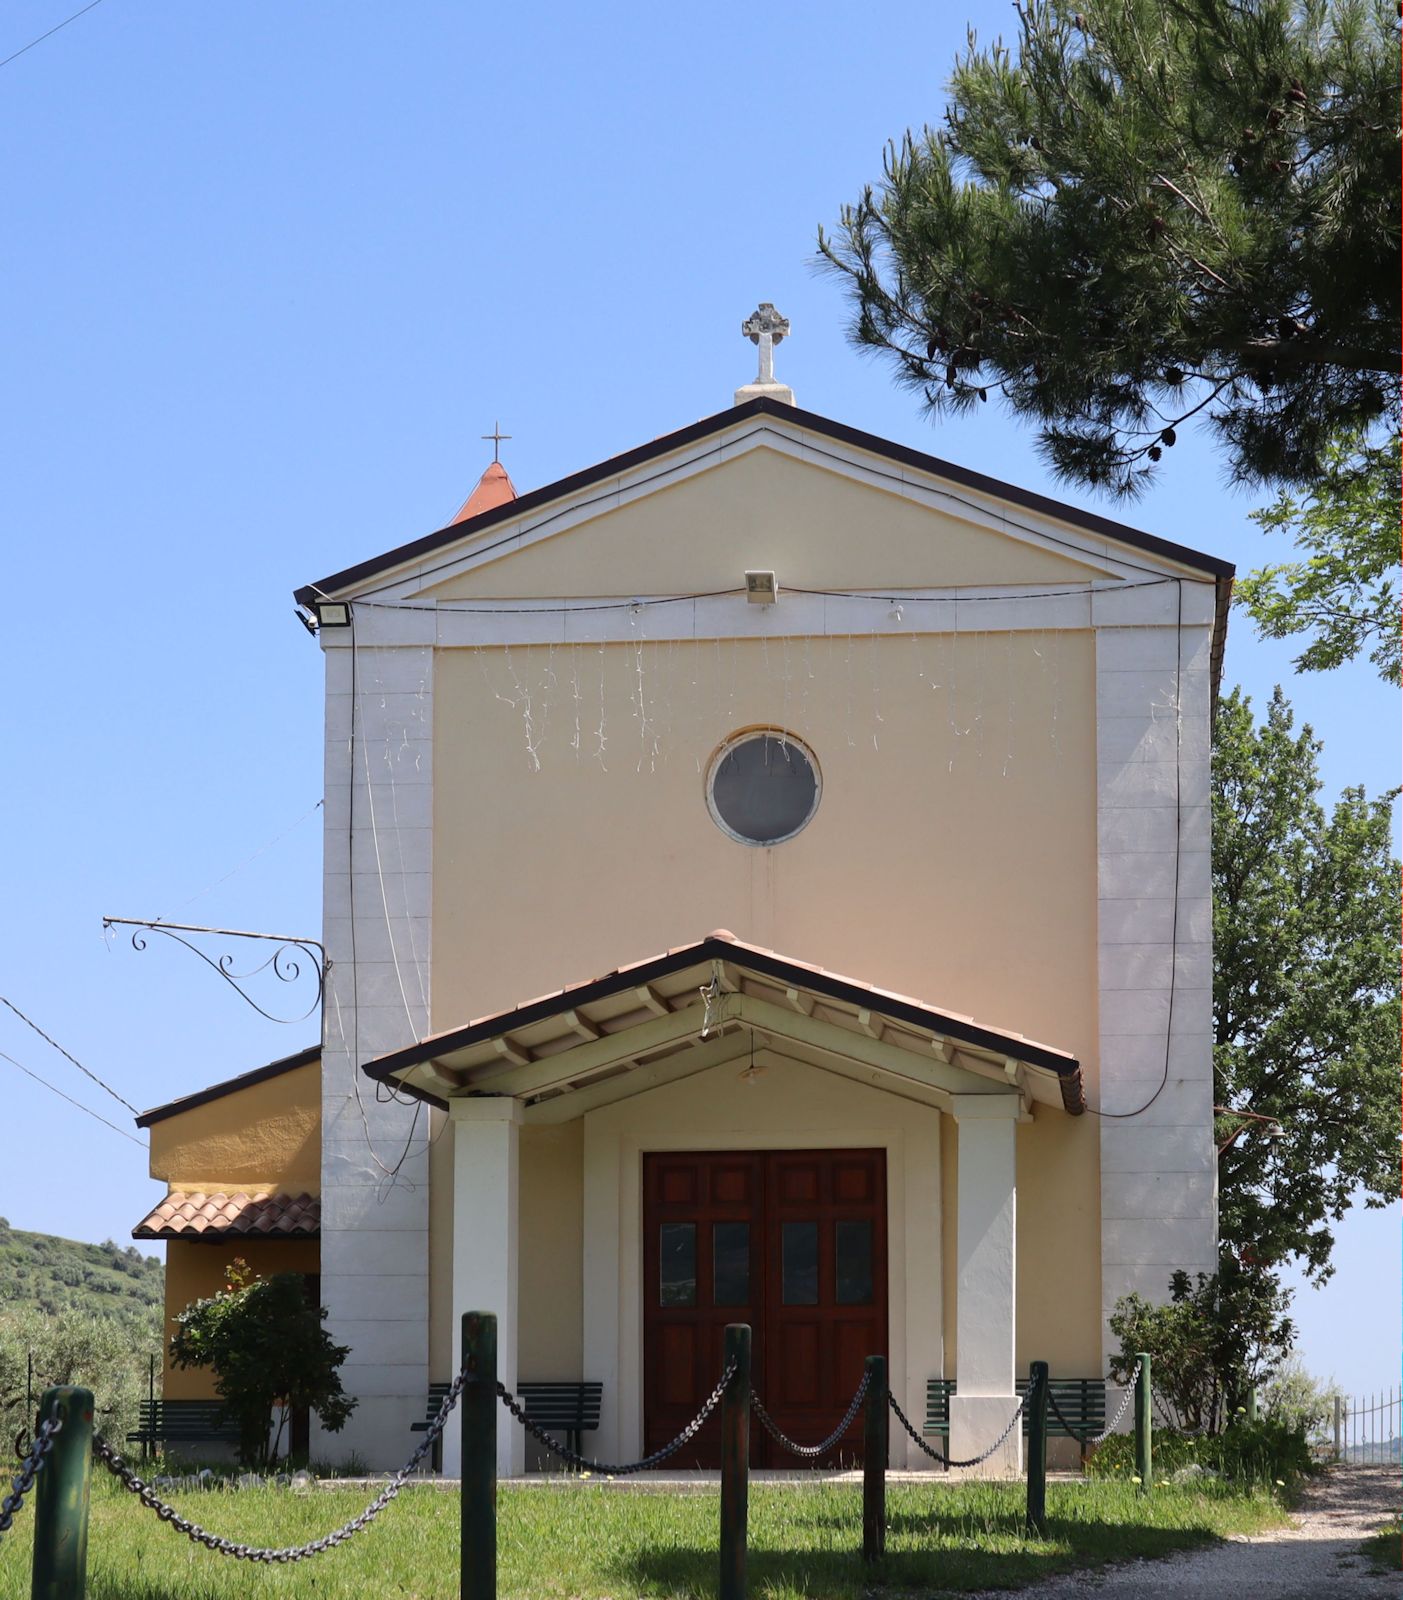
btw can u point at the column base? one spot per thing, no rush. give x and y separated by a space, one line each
975 1422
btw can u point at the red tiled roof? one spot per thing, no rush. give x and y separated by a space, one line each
191 1216
494 488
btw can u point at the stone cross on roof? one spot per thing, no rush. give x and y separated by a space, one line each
765 328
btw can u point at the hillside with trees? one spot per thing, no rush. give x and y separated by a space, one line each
42 1272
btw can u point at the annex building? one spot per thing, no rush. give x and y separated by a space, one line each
767 880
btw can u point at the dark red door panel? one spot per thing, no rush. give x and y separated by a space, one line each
792 1242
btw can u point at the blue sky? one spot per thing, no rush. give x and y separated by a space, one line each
270 269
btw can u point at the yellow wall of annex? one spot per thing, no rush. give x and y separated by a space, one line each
196 1269
817 528
265 1136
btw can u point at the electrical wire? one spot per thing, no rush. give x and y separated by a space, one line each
392 1175
811 448
106 1087
62 1096
1120 1116
52 31
248 859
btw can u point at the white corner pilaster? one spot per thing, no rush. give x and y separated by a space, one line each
1154 956
985 1239
486 1141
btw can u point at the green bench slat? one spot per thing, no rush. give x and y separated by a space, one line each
182 1421
565 1407
1083 1402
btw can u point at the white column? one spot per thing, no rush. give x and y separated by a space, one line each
985 1236
486 1140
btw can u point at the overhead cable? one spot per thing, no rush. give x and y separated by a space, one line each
62 1096
106 1087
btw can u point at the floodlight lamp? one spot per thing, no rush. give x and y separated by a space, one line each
332 613
761 589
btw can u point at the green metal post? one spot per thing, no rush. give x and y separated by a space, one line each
735 1462
478 1560
874 1462
62 1493
1252 1403
1037 1449
1143 1423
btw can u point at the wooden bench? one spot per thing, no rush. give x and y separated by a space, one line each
187 1422
1082 1401
571 1408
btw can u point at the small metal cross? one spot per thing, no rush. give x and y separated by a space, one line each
496 436
765 327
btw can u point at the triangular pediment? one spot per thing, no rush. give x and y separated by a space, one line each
763 485
816 525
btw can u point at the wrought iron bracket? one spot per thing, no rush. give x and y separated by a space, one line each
286 962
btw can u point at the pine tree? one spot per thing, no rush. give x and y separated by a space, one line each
1153 210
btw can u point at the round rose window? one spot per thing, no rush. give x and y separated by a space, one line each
762 786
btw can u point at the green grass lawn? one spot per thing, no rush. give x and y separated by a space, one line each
591 1541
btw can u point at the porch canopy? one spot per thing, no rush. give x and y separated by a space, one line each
554 1059
698 1006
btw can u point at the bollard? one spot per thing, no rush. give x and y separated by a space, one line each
735 1462
1037 1448
1143 1422
62 1493
478 1515
874 1462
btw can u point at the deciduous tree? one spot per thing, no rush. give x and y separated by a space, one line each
1305 991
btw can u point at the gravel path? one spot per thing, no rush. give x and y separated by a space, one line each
1317 1558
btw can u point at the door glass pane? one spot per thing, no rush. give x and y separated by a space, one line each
677 1277
730 1263
854 1263
800 1264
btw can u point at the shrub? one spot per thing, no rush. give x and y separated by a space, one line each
1248 1453
266 1346
1216 1338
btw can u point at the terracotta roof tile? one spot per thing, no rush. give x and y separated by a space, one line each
184 1215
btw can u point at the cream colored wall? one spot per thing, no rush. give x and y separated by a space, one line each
267 1136
763 509
552 1268
196 1269
788 1106
440 1248
948 763
926 868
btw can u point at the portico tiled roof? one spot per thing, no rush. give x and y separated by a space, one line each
544 1038
194 1215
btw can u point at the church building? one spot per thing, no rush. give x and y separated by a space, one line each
766 880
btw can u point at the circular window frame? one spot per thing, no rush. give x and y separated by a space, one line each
748 736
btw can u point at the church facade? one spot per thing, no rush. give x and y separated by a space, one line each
766 880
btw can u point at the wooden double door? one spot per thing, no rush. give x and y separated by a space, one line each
794 1242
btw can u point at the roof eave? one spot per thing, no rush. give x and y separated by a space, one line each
336 585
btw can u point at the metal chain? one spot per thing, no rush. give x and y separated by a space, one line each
243 1552
606 1469
23 1480
1106 1432
947 1461
811 1451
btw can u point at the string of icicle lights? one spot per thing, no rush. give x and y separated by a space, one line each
992 698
